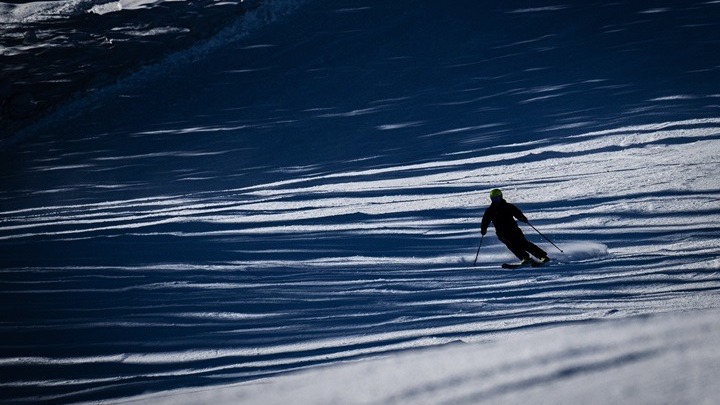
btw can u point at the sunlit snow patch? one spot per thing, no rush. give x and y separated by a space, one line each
578 251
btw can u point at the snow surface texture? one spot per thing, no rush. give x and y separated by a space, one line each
55 51
628 362
305 189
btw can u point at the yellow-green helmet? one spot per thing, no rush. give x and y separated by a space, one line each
494 193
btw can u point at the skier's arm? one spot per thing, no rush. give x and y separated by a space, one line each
485 222
518 214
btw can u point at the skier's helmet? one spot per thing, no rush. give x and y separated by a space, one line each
495 193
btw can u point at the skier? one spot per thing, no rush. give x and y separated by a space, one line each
502 214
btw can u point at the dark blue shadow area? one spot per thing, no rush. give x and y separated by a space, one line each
477 74
180 228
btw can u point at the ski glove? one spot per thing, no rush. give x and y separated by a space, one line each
483 232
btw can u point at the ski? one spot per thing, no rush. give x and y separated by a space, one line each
541 264
531 263
519 265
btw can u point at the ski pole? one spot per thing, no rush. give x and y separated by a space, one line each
478 252
548 239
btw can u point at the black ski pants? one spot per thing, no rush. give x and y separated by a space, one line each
520 246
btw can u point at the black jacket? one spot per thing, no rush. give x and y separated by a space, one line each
502 214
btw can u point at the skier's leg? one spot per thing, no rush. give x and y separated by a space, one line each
515 245
534 250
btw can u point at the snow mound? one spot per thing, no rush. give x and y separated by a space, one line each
579 251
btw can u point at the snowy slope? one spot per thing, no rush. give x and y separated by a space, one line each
656 360
305 190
